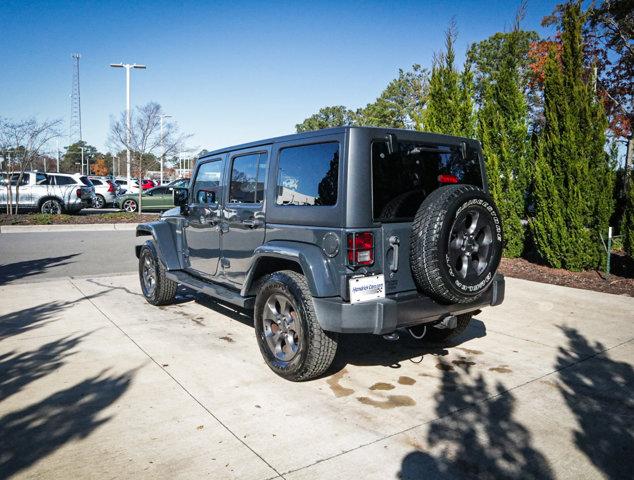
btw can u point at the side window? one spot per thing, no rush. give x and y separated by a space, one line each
159 191
41 179
208 183
247 178
64 180
308 175
96 182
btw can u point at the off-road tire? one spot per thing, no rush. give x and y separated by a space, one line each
164 291
444 209
317 348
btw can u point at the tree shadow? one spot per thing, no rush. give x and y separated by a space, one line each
600 393
32 433
27 319
17 370
14 271
475 435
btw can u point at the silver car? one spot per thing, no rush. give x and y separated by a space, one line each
53 194
105 191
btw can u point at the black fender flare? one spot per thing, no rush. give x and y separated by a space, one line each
164 242
310 258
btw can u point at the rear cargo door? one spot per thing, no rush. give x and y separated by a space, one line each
402 177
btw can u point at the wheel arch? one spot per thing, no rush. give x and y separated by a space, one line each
302 258
41 201
162 241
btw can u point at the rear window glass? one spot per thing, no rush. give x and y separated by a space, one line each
308 175
403 179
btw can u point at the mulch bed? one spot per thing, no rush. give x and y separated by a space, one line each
45 219
620 281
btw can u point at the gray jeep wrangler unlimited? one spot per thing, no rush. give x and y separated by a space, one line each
345 230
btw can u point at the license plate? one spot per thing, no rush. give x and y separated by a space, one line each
363 289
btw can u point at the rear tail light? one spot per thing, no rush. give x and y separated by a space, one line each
110 187
78 193
361 248
447 179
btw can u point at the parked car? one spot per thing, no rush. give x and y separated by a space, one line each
345 230
180 183
157 198
147 184
125 188
105 191
47 193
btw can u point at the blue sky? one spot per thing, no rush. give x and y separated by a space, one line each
228 72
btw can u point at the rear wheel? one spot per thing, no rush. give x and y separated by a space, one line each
290 338
51 206
156 287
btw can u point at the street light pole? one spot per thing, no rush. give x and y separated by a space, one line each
82 160
163 146
127 67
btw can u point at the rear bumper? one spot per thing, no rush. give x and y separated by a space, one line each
400 310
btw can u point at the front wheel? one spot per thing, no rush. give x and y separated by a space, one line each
156 287
129 206
290 338
99 202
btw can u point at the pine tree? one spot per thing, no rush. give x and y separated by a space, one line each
450 101
572 170
503 131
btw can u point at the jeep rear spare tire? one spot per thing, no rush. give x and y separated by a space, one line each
456 244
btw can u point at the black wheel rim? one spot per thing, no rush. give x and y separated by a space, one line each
148 275
470 240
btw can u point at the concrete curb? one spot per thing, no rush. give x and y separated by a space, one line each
80 227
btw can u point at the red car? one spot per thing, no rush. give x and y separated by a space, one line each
147 184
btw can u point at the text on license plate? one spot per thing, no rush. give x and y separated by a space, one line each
363 289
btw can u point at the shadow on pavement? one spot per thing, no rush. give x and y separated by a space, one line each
32 433
600 394
475 435
27 268
27 319
365 350
17 370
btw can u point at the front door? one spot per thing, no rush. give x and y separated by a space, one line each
243 213
202 233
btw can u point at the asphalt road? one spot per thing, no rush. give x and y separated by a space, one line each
32 257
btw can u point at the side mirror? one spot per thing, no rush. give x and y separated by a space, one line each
181 196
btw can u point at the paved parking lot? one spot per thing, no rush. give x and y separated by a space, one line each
96 383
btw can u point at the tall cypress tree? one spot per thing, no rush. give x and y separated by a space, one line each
573 203
627 225
503 131
450 101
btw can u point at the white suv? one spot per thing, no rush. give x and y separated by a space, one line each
105 191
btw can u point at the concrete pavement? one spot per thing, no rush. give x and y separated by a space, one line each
96 383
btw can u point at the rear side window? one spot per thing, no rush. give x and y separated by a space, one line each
403 179
61 180
96 182
308 175
247 178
